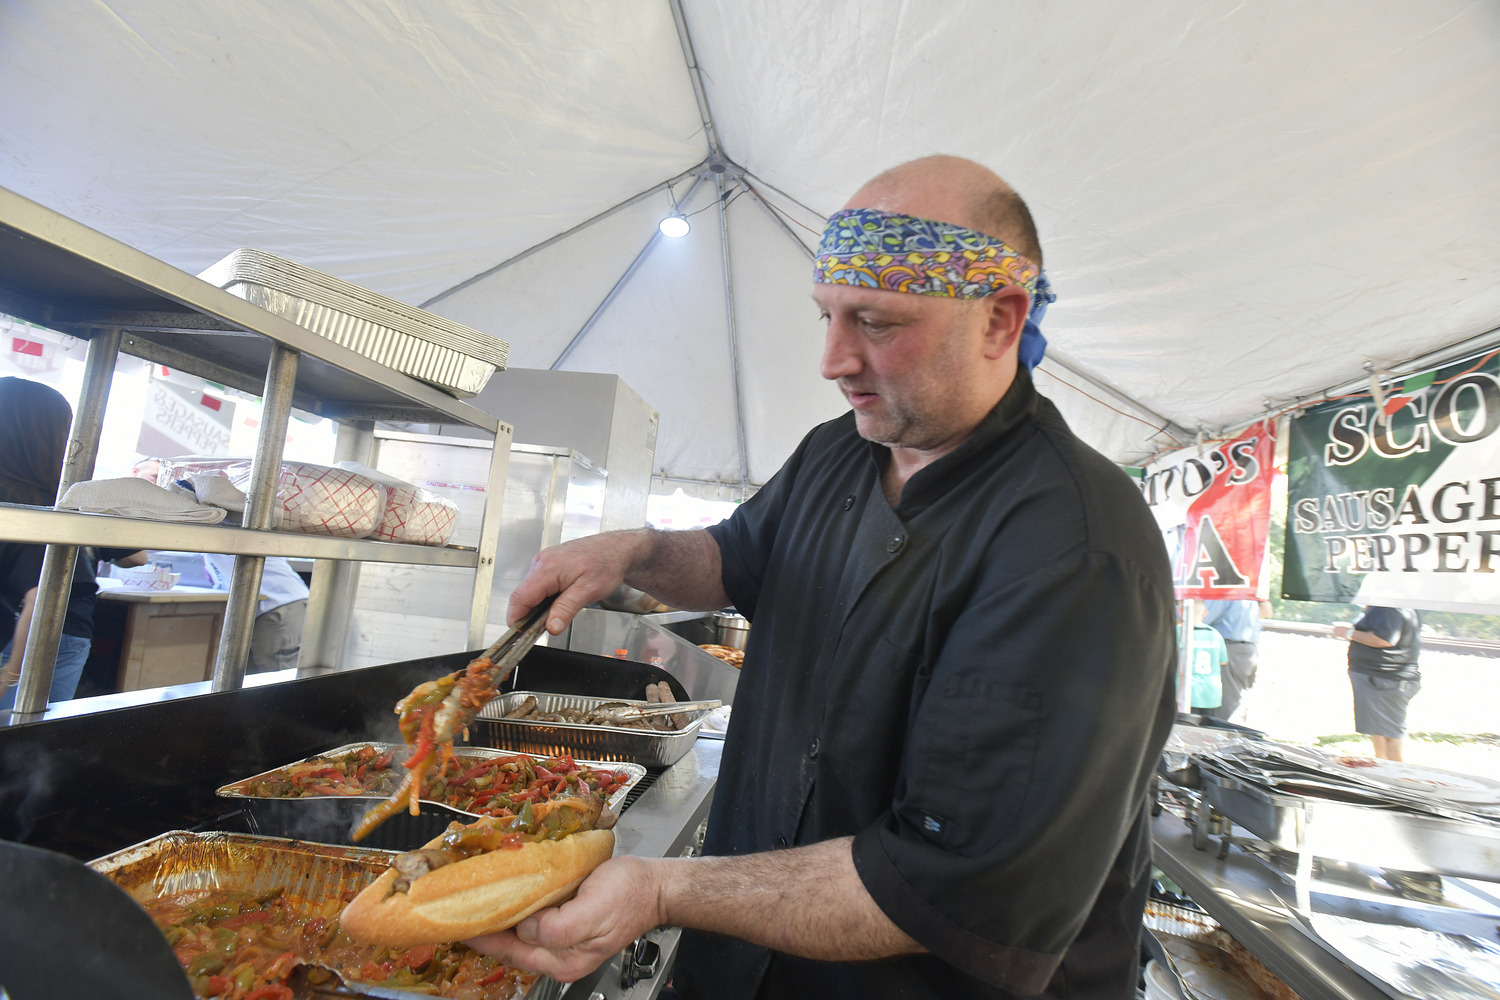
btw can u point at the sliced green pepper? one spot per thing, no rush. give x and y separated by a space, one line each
205 964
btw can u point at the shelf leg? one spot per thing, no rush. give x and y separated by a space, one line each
335 581
40 655
93 397
39 658
489 536
260 500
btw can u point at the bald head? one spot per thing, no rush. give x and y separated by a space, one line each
952 189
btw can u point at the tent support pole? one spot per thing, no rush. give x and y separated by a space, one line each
716 155
734 348
539 247
776 218
604 303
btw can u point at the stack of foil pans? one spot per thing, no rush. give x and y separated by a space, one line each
449 355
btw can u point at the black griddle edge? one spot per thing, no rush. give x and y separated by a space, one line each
92 784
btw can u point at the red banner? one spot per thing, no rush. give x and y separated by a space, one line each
1213 504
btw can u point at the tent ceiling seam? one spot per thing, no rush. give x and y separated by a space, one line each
539 247
624 279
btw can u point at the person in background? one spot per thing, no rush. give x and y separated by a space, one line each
34 423
276 642
1239 623
1209 659
1383 648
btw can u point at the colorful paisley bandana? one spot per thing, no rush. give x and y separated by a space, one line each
906 253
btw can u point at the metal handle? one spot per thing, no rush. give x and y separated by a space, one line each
640 962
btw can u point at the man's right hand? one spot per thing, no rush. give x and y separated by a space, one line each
579 572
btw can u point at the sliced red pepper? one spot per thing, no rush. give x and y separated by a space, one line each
475 771
253 917
419 956
494 977
218 985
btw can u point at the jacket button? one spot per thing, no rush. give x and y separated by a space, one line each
780 841
895 544
849 502
813 748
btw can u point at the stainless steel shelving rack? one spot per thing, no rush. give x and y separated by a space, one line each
62 275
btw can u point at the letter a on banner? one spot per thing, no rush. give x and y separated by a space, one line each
1213 506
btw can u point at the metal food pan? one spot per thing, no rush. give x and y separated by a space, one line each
330 819
445 367
310 874
653 748
1384 836
258 267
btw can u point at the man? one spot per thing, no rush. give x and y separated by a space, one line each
1383 648
1238 622
276 639
960 671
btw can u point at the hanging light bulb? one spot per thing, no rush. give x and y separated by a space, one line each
675 226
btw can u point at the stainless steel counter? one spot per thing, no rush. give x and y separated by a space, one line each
663 823
1236 891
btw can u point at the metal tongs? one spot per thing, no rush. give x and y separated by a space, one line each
455 713
509 649
617 712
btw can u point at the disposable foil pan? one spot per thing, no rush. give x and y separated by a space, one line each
420 344
331 818
651 747
311 874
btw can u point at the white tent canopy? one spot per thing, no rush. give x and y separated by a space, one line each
1242 205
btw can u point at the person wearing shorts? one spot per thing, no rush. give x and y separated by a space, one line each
1383 648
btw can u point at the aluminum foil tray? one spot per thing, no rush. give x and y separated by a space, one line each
330 819
653 748
311 873
420 344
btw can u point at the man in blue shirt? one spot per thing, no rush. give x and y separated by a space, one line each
1239 623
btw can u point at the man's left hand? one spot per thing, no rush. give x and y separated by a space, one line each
616 904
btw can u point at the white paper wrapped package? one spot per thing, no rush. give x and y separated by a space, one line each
315 499
412 514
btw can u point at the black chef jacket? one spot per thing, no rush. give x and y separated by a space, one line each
975 685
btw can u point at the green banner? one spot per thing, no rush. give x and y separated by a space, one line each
1394 498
